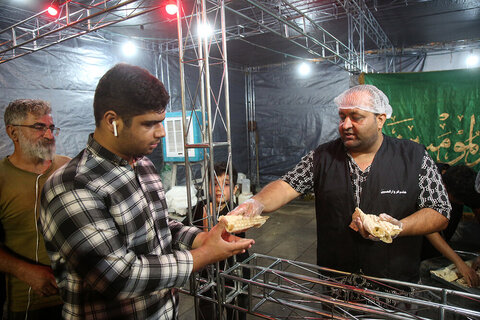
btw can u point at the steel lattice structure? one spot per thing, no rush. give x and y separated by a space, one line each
285 289
302 290
298 22
75 19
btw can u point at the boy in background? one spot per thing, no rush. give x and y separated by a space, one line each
224 187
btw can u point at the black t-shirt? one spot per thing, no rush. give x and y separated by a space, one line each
474 202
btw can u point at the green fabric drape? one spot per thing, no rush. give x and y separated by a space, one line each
440 110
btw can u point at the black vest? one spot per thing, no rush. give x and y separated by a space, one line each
391 187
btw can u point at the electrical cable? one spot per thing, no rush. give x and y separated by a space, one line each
36 242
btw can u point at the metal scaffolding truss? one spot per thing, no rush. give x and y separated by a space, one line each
211 102
304 32
298 22
363 16
75 19
284 289
253 166
361 23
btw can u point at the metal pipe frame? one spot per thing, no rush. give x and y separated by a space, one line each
212 101
307 291
361 23
317 39
334 46
357 9
250 122
78 19
37 33
75 19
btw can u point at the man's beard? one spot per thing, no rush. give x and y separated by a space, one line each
42 149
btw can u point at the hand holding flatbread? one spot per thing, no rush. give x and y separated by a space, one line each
240 223
249 208
468 277
383 227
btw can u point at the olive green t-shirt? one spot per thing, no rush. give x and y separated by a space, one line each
18 222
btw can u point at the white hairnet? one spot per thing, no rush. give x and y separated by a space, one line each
365 97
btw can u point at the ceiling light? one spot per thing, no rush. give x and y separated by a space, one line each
304 69
171 8
472 61
204 30
52 10
129 49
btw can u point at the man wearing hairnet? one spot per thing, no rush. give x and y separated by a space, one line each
377 173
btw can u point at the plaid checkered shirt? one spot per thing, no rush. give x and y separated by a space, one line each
114 251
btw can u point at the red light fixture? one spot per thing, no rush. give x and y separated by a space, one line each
53 11
171 8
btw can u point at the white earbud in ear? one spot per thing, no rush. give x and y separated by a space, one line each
114 124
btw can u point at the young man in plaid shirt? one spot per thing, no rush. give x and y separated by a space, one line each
114 251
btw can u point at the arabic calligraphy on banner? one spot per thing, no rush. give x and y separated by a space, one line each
438 109
456 142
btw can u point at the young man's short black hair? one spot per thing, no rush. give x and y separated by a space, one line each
442 167
221 168
460 182
129 91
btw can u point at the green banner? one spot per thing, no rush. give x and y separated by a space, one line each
440 110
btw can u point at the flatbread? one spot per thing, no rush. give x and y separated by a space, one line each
383 230
451 274
239 223
447 273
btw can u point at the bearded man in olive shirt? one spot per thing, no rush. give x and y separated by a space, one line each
30 284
